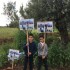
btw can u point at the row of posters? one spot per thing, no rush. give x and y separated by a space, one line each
28 24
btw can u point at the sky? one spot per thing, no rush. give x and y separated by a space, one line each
3 18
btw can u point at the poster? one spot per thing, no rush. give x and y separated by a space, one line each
49 27
26 24
13 54
41 26
45 27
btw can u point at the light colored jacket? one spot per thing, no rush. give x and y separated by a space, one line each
42 50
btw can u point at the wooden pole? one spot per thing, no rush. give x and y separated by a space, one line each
12 65
27 41
44 37
43 46
28 50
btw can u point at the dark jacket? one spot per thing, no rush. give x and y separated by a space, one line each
32 48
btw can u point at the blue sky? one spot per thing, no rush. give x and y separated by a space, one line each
3 18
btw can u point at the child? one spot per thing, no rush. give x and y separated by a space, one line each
42 53
29 56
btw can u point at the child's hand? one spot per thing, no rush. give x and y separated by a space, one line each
29 53
27 44
43 57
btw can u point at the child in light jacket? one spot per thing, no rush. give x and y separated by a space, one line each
42 53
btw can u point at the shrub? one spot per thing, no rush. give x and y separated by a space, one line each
3 55
57 56
3 60
20 40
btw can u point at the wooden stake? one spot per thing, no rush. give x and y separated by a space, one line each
28 51
27 41
44 36
12 65
43 46
27 35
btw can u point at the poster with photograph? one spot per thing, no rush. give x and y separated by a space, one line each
45 27
13 54
49 27
26 24
41 27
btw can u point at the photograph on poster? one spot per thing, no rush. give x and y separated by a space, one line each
22 24
46 27
13 54
49 27
40 27
26 24
30 24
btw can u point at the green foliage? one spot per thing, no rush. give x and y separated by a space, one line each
20 40
14 24
21 11
36 35
11 12
43 9
51 10
3 54
7 32
10 9
3 60
57 56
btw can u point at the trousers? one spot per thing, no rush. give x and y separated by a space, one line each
28 60
42 61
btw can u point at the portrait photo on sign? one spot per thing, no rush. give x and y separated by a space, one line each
26 24
48 26
45 27
13 54
40 27
30 24
22 24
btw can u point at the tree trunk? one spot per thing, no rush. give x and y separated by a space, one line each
62 28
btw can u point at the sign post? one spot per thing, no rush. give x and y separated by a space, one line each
13 54
44 37
28 48
26 24
12 65
45 27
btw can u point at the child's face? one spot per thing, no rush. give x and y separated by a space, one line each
41 39
30 39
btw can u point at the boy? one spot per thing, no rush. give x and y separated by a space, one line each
29 56
42 53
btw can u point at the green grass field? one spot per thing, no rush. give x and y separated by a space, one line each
10 32
7 32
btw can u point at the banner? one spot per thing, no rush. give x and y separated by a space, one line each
45 27
13 54
26 24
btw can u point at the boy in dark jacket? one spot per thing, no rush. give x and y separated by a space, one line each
32 50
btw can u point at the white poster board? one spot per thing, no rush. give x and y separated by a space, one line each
13 54
40 26
45 27
26 24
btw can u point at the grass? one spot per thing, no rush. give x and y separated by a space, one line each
7 32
